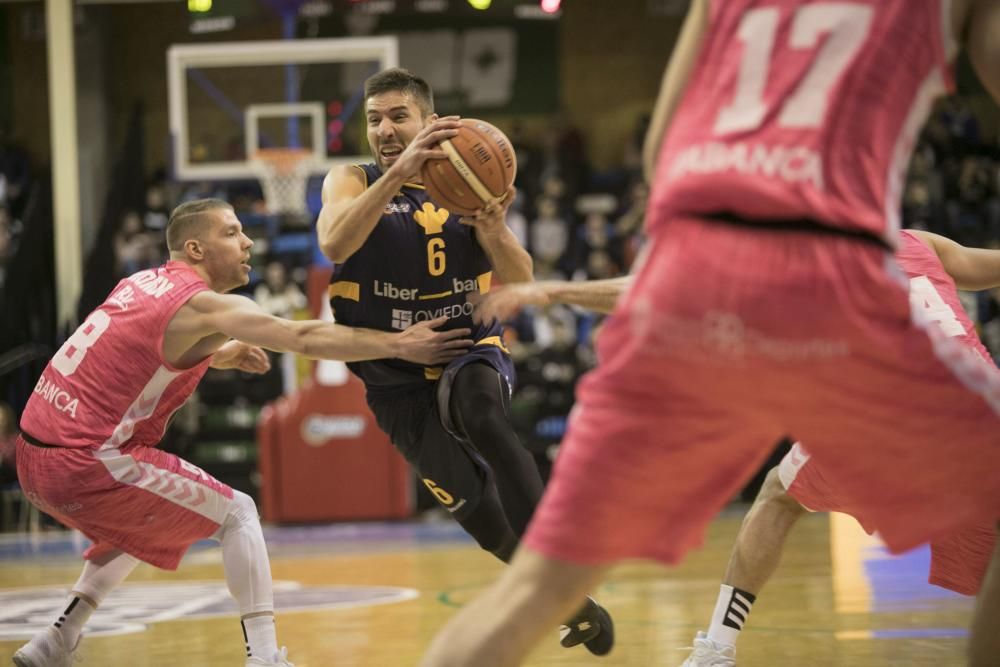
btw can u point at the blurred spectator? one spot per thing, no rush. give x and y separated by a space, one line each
278 295
917 210
632 159
281 297
8 436
549 238
529 166
135 248
201 190
516 219
600 236
15 170
7 241
953 183
564 156
989 319
601 266
157 210
961 123
629 227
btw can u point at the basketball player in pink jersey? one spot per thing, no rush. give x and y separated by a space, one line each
768 303
935 266
87 453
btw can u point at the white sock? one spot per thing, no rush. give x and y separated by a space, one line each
99 577
244 557
248 574
72 619
260 636
731 612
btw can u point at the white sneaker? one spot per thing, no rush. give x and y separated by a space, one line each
708 653
280 660
46 649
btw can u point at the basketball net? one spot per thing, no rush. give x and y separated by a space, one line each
283 174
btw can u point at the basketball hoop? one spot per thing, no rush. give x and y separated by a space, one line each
283 174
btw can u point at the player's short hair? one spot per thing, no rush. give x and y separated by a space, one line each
404 81
188 219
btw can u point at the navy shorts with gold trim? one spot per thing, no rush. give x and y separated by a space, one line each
449 466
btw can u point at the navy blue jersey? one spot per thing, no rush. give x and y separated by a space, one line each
419 263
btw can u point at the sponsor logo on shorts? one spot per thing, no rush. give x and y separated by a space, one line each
317 430
724 337
132 607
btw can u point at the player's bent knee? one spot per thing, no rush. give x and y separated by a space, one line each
242 512
483 421
244 508
502 545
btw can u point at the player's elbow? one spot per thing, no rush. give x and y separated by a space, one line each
303 341
334 247
331 241
512 276
331 250
526 274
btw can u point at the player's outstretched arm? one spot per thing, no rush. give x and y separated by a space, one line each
674 82
983 43
240 318
504 301
971 268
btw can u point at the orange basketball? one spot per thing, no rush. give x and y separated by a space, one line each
481 166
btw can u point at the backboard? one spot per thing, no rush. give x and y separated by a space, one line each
229 99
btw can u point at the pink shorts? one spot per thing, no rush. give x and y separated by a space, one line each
958 561
731 338
140 500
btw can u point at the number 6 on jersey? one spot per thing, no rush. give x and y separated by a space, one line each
435 256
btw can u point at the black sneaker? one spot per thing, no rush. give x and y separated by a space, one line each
591 626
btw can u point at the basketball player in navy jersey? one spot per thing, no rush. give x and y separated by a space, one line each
401 259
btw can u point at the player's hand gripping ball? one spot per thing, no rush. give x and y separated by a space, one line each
481 166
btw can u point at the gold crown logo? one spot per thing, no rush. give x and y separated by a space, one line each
431 219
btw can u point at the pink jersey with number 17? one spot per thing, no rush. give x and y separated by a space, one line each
109 384
805 110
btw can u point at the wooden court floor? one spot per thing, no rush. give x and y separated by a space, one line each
374 594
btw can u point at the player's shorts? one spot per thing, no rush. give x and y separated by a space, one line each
140 500
450 467
732 337
958 561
